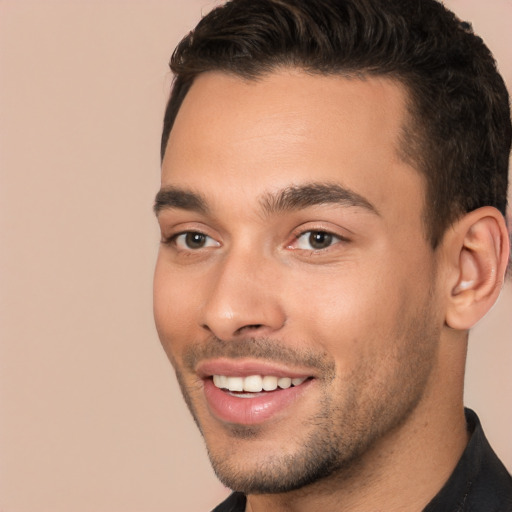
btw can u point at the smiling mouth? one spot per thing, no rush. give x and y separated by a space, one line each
246 395
243 386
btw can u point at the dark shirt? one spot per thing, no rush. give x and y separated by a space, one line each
479 483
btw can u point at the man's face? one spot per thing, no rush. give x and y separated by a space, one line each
294 271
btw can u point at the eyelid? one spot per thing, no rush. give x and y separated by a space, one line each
182 245
303 231
173 239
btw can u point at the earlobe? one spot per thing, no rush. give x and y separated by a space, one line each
479 247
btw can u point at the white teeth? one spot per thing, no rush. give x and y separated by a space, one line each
235 383
255 383
284 382
269 383
221 381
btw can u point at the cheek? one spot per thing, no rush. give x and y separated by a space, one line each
343 301
352 311
172 307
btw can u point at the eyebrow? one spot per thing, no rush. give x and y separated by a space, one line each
314 194
288 199
173 197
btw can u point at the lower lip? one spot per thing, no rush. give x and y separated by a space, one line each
250 411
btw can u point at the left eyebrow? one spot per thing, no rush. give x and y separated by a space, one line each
173 197
314 194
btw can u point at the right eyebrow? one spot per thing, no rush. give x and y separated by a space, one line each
174 197
313 194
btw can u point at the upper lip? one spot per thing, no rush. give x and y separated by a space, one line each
247 367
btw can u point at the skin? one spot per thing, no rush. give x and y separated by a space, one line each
381 424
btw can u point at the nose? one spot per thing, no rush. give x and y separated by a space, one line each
244 298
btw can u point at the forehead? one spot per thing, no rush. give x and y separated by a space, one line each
287 128
294 100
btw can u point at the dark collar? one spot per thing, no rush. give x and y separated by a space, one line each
479 483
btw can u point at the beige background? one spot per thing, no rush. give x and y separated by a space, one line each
90 416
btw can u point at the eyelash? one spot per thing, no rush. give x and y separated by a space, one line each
174 240
332 239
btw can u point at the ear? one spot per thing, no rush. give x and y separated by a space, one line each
478 250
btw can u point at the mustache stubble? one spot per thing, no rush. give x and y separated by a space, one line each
266 349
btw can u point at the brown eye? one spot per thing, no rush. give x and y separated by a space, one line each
193 240
320 239
315 240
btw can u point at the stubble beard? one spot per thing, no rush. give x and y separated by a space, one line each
332 442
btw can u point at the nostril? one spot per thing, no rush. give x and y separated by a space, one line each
251 327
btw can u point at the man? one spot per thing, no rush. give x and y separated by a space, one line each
334 178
